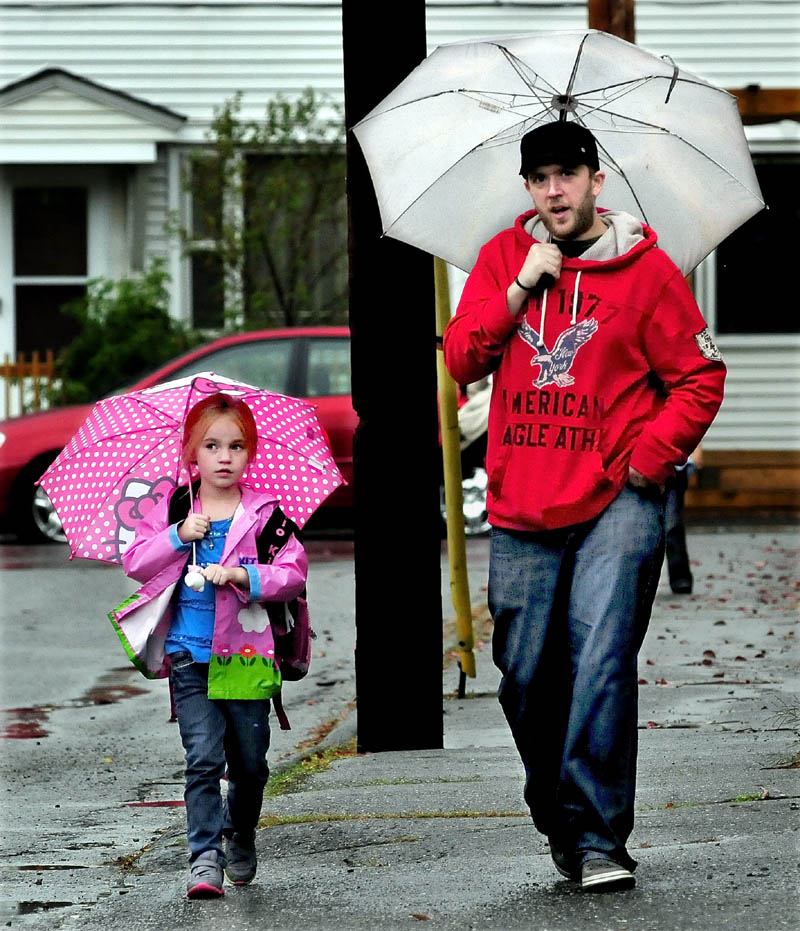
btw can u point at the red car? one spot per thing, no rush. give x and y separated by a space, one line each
305 362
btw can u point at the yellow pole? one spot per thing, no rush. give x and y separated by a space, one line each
451 454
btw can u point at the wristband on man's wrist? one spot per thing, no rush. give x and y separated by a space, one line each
524 287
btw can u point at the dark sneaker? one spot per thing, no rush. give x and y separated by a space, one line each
205 877
240 854
601 875
564 862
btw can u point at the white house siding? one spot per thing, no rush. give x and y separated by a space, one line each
454 22
761 409
31 125
731 42
155 204
187 57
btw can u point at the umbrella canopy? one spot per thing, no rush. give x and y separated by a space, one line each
443 147
127 456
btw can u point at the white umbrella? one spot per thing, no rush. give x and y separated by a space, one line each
443 147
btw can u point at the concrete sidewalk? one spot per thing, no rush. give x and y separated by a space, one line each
392 840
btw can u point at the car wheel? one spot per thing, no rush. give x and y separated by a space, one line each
35 519
476 517
45 518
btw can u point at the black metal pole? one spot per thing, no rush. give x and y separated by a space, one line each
396 454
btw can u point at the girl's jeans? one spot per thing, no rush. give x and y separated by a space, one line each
571 608
215 734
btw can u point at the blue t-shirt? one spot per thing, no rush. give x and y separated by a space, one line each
193 622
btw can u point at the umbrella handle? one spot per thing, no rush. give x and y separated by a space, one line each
191 511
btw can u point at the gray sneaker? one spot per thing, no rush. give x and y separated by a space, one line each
205 877
601 875
240 854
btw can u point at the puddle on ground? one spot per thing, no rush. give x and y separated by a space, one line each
29 723
30 908
51 866
24 723
178 803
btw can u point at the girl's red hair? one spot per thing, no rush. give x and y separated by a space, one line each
205 412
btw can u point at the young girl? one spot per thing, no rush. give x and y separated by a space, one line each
199 624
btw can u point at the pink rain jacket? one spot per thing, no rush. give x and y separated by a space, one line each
242 649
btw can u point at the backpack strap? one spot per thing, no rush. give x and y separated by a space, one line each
275 535
280 713
180 503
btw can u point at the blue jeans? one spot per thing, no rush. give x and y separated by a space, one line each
571 608
218 734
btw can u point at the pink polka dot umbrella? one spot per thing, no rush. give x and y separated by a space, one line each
127 455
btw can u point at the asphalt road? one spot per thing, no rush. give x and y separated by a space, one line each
97 772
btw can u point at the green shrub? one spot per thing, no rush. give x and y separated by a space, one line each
125 331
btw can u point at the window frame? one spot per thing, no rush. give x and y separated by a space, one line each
705 275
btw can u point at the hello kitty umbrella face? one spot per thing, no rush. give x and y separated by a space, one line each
127 456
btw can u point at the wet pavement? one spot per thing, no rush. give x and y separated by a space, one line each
393 839
91 766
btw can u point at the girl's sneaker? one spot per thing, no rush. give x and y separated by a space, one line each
205 877
241 860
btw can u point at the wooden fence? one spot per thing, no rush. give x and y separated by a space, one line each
30 381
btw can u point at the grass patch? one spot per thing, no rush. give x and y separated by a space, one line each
407 781
274 821
291 780
130 862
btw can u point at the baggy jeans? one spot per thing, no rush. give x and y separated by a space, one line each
217 734
571 608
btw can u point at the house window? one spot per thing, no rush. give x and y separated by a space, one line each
268 241
205 261
50 263
755 264
295 232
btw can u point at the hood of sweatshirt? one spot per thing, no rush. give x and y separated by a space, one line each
624 240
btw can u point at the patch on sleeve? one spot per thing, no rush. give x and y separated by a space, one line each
707 346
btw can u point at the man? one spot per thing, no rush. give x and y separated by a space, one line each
582 319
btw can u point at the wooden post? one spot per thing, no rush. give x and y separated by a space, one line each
35 373
613 16
7 384
396 450
21 381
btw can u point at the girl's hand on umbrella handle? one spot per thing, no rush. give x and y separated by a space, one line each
222 575
193 528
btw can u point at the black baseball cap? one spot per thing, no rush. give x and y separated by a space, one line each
561 143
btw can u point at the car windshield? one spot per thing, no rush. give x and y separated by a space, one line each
265 363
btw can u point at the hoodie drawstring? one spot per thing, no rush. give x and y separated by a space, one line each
543 316
575 298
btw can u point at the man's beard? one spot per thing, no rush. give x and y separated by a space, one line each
584 220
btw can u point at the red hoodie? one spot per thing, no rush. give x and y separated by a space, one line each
568 417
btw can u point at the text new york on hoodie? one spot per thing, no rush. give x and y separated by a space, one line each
574 400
